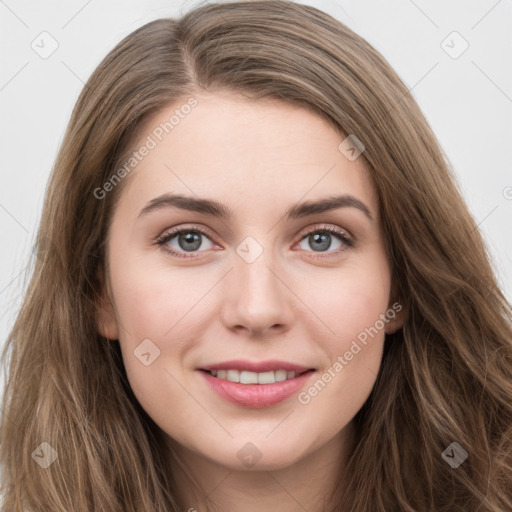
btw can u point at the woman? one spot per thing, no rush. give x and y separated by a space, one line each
334 339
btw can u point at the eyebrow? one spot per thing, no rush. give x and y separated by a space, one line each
216 209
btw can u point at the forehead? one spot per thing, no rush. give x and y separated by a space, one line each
228 146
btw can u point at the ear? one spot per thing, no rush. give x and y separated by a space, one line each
105 315
397 315
397 312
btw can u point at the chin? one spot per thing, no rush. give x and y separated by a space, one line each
254 456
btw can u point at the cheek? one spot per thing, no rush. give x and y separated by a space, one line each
348 300
157 311
152 313
351 306
152 301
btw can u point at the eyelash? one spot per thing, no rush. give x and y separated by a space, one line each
169 235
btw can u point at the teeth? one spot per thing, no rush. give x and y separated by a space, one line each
280 375
245 377
249 377
266 378
233 375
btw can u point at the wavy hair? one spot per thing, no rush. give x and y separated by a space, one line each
445 377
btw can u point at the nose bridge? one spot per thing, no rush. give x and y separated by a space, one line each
257 278
257 298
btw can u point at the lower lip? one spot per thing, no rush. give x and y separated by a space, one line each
256 395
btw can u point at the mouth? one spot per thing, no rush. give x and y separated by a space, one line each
256 385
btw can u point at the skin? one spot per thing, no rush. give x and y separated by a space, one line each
257 158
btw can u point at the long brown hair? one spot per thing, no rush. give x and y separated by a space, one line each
445 378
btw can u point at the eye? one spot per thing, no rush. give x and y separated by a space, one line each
321 239
185 241
181 241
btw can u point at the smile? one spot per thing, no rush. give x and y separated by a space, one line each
255 389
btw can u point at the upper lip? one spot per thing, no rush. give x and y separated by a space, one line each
258 367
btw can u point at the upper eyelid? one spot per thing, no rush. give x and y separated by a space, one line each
177 230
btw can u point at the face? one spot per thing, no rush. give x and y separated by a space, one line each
272 286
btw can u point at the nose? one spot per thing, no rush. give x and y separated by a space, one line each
257 298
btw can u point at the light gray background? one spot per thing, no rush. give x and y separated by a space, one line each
467 100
